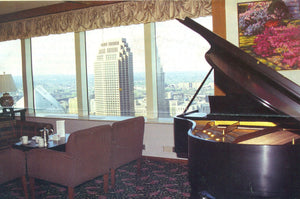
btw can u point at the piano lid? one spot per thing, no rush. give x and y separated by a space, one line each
265 85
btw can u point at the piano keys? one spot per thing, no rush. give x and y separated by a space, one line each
248 146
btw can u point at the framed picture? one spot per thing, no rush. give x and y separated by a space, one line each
269 30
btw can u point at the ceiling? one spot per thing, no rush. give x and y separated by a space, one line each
15 10
16 6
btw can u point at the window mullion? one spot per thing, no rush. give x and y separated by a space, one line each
28 89
150 69
81 74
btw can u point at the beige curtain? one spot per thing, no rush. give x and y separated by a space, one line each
124 13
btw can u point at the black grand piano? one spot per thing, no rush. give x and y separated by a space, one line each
248 146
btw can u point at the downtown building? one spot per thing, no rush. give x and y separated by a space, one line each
162 102
114 86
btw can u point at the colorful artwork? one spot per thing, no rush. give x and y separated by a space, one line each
270 31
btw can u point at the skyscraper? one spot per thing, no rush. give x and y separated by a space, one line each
162 102
114 86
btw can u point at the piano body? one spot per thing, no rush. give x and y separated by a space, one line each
248 146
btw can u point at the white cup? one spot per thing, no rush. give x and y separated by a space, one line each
41 142
24 139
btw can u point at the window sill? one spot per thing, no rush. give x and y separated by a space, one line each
99 118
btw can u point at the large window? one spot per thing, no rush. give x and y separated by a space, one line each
116 71
181 67
54 74
11 63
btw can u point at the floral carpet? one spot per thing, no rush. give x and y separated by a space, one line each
158 179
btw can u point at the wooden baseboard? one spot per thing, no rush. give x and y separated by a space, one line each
172 160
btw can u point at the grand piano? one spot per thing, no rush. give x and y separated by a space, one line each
248 146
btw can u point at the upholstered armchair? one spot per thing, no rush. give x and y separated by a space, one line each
127 143
30 128
13 166
87 156
12 130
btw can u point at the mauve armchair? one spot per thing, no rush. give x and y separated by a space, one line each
13 166
87 156
127 143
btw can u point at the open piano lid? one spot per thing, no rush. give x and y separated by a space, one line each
265 85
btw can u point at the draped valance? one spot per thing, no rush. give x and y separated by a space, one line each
123 13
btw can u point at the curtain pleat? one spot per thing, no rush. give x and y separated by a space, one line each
119 14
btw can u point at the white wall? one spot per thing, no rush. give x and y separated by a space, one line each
158 137
159 140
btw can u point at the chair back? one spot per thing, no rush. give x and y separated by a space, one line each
7 133
127 140
30 128
88 145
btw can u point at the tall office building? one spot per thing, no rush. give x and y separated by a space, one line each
114 86
162 102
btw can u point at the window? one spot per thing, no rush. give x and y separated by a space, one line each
117 80
54 74
115 60
11 63
181 67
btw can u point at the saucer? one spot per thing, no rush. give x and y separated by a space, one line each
27 143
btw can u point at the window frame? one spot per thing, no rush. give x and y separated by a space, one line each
82 76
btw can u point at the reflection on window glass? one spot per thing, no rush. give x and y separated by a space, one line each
11 63
181 67
116 64
53 62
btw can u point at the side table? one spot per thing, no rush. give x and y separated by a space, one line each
58 145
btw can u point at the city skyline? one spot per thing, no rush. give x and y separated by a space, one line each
178 92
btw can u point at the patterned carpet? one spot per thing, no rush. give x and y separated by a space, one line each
162 180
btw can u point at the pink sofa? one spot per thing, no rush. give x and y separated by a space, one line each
87 156
13 166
